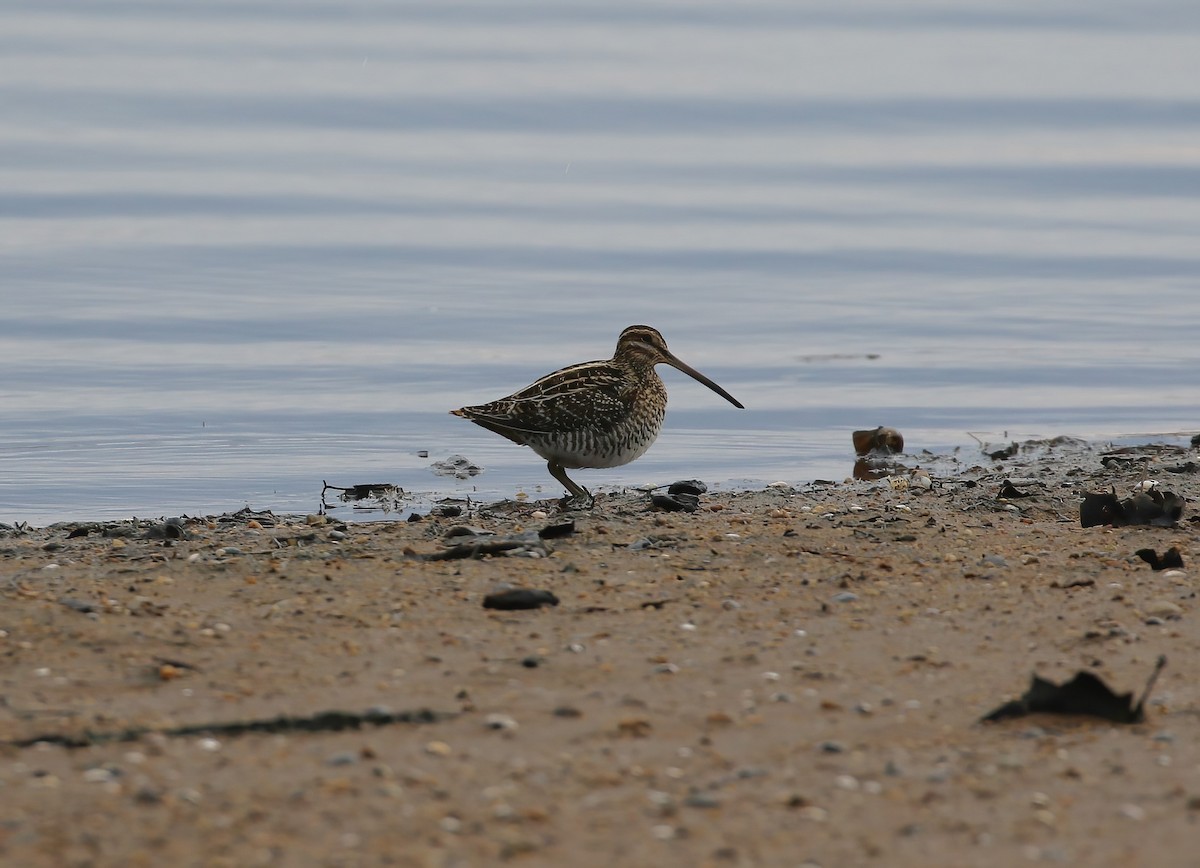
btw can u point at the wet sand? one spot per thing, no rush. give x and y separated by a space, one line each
784 677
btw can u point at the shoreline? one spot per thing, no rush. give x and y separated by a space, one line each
782 676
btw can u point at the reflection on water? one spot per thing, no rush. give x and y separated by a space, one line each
246 248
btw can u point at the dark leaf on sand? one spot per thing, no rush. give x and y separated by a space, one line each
1153 507
555 531
1101 508
675 502
1010 492
520 598
693 487
1170 560
1085 694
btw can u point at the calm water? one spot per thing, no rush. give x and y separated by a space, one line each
249 246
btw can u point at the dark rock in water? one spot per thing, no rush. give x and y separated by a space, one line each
688 486
675 502
457 466
887 441
1170 560
520 598
1007 452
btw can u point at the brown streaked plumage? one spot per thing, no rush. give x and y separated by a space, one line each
595 414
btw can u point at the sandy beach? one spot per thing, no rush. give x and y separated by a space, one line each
791 676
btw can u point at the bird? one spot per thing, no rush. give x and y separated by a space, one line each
594 414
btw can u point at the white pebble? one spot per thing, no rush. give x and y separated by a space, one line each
1131 811
209 744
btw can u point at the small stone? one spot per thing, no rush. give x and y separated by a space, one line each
147 795
845 597
209 744
993 561
438 748
1164 609
1133 812
343 758
702 800
832 747
500 721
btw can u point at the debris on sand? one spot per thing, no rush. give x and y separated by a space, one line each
1085 694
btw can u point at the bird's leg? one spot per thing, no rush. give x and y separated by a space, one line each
578 492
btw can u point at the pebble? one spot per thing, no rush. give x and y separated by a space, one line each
666 669
500 721
845 597
337 535
702 800
832 747
994 561
208 744
1131 811
438 748
1164 609
343 758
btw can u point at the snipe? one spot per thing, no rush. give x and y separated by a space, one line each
595 414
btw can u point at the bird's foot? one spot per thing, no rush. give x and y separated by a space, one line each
574 502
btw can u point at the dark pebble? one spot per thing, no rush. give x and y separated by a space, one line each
531 662
77 605
693 487
520 598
